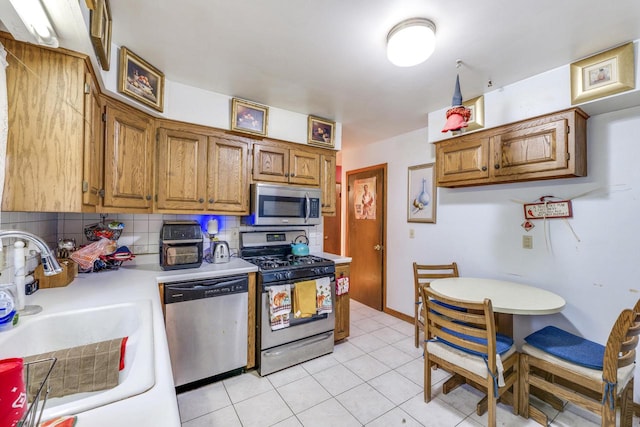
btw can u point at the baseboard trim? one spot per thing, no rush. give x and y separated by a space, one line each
399 315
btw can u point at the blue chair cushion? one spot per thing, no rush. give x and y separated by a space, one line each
567 346
503 342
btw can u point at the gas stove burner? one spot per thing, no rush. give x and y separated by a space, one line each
303 259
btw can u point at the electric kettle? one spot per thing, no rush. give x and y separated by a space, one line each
220 252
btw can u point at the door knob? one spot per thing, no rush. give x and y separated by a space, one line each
377 247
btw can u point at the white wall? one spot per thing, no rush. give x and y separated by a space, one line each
479 227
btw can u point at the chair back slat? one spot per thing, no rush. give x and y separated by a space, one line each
449 324
620 349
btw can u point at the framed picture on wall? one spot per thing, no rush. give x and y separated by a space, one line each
421 194
476 105
249 117
320 132
603 74
140 80
101 32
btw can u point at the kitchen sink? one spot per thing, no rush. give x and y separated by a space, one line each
49 332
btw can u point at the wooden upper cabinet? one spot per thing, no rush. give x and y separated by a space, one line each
228 175
201 169
128 152
328 183
545 147
182 165
49 148
93 168
286 164
463 160
304 167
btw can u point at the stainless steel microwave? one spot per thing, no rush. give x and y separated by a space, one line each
273 204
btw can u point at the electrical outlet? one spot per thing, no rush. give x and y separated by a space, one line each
527 242
412 233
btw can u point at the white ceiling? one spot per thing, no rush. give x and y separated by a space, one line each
327 57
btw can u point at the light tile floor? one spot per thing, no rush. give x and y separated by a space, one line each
374 378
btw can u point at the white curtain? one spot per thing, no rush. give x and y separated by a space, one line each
4 121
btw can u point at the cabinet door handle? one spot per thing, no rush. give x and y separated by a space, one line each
293 174
286 175
201 200
497 166
484 169
101 193
210 200
148 196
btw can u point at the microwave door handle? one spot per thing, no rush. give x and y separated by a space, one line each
307 207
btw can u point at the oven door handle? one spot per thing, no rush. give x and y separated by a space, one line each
307 207
323 337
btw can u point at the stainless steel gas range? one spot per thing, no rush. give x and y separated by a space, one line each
304 338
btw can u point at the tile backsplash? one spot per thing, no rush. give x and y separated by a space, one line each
141 233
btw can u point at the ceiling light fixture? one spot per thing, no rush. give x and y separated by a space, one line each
35 18
411 42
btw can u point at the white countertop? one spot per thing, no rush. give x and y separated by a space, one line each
134 281
338 259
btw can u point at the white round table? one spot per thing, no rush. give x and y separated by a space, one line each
506 297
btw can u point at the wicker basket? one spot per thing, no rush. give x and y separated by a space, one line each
95 232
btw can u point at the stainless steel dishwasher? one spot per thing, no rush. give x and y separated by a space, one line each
206 322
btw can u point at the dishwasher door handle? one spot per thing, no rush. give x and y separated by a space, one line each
300 345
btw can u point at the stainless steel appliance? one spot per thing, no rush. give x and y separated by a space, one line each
206 323
180 245
220 252
305 338
284 205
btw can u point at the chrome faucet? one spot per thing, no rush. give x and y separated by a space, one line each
50 264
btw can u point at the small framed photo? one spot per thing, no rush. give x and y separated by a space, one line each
603 74
320 132
249 117
101 32
421 197
476 105
140 80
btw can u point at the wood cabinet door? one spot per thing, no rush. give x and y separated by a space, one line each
270 163
93 166
342 307
328 183
462 159
228 176
534 148
182 169
128 159
304 167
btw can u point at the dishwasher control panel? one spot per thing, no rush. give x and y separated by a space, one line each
207 288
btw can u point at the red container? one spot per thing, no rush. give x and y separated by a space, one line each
13 399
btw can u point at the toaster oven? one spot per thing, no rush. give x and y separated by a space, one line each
181 245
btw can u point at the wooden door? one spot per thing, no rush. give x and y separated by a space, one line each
128 158
182 168
304 168
228 182
332 227
366 209
93 166
270 163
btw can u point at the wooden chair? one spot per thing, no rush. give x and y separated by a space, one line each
423 275
464 342
600 390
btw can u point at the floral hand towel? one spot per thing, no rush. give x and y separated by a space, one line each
323 295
